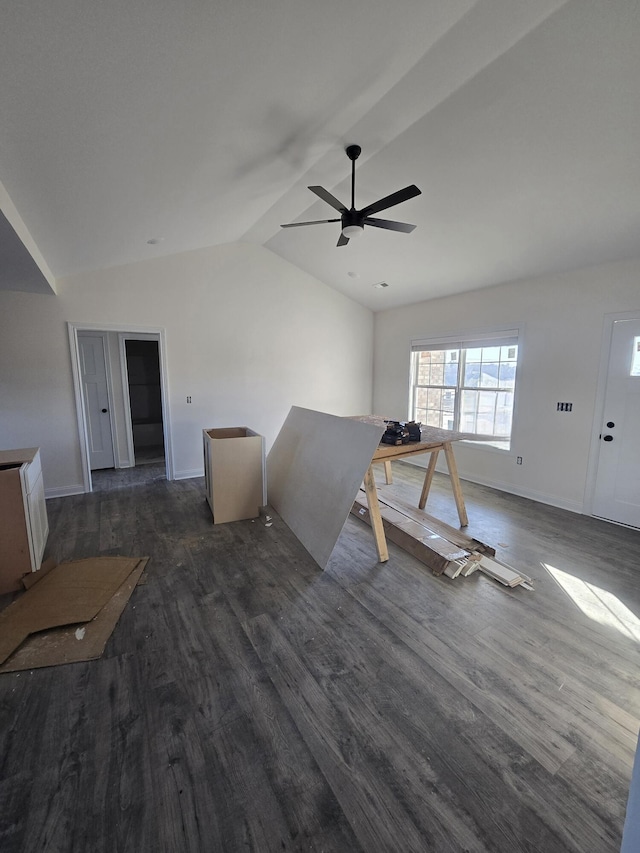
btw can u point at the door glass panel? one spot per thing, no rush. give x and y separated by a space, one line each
635 360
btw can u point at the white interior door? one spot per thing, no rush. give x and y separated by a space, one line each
617 489
96 400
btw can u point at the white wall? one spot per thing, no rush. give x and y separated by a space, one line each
248 336
562 324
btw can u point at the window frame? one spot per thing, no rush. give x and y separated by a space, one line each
496 336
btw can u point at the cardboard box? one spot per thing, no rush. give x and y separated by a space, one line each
234 472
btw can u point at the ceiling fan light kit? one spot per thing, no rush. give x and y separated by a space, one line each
352 220
350 231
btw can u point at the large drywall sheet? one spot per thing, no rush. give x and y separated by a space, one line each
314 471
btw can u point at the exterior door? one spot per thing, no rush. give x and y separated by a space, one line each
96 400
617 489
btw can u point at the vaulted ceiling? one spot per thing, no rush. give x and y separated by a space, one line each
199 123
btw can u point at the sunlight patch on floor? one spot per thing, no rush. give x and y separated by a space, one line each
597 603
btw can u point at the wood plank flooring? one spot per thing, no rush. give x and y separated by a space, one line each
248 701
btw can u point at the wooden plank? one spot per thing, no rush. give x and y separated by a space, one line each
502 573
455 536
402 451
392 515
426 546
396 517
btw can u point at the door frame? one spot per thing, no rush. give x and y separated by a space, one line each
603 373
157 333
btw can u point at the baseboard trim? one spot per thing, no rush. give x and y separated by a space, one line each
509 488
189 474
64 492
533 495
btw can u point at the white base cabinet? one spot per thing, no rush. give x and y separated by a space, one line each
24 526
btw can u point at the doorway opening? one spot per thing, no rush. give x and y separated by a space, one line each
120 381
145 400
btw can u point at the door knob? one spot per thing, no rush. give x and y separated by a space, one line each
608 438
610 424
103 411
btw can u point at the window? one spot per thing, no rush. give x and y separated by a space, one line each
466 385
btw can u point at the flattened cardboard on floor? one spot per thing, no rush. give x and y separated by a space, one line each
71 644
314 471
70 594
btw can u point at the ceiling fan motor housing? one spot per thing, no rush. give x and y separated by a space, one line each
352 217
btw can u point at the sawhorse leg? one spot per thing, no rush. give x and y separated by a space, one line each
433 458
374 515
455 484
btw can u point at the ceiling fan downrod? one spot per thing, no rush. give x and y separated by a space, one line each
353 152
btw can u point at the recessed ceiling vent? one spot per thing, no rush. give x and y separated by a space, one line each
381 284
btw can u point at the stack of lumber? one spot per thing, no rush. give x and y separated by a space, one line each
444 549
433 542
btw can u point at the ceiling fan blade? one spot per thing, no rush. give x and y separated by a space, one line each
389 200
342 240
313 222
389 224
325 195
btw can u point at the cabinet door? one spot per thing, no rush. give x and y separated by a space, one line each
38 522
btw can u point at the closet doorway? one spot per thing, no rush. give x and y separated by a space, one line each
137 408
141 366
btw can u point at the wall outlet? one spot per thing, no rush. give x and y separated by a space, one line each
518 460
188 399
564 407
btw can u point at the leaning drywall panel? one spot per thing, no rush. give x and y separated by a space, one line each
314 471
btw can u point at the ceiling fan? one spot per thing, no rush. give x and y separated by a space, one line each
353 221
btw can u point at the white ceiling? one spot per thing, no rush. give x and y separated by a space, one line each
204 122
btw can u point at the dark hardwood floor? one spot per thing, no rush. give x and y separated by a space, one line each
248 701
